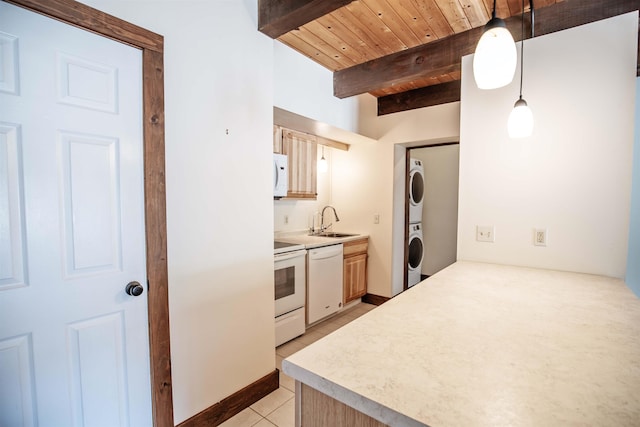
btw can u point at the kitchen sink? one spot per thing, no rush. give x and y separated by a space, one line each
333 234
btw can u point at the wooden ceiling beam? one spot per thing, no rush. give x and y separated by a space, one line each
278 17
444 55
428 96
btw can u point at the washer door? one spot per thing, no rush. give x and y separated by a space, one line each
415 252
416 187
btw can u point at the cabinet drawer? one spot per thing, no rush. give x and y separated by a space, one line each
356 247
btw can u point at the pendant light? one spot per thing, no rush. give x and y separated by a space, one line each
322 163
520 124
494 62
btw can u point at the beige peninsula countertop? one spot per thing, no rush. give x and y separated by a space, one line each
488 345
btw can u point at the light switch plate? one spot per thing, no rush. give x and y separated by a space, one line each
485 233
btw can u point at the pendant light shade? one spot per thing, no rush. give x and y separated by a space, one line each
520 124
494 62
322 163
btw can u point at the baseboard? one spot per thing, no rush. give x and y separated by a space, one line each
374 299
220 412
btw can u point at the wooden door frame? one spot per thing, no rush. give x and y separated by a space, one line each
152 46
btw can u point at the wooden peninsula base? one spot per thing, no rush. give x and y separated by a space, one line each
316 409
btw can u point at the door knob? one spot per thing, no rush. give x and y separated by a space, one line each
134 289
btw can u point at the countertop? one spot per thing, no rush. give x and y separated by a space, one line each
311 242
488 345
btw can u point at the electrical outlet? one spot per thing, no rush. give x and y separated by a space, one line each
485 233
376 218
540 237
286 219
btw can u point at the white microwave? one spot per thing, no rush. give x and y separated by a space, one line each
280 178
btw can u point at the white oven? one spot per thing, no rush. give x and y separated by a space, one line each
290 285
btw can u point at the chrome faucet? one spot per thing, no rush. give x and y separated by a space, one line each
322 226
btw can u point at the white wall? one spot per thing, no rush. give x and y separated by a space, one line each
573 176
440 123
218 76
362 187
306 88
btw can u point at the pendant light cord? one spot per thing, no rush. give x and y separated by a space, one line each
522 41
521 48
533 18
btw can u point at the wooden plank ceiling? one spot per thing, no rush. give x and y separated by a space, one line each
407 53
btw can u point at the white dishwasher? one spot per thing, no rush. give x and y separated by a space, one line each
324 282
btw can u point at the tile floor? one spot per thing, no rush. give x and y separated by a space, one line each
277 409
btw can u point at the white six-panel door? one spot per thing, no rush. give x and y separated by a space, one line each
73 345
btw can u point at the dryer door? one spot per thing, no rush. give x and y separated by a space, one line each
416 187
415 251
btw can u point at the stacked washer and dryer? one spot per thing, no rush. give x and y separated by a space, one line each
416 202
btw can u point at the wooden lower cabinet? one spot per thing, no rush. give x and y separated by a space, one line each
316 409
355 269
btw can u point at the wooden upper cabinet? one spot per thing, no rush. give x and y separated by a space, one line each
301 150
277 139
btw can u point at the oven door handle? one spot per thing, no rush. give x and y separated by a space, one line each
291 255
